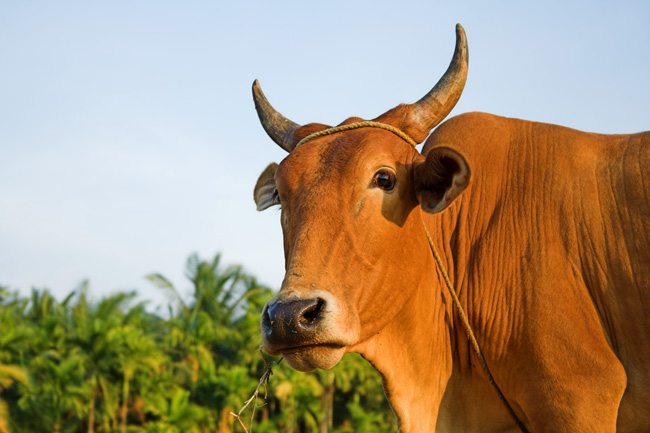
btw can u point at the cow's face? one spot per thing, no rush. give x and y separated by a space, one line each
351 218
353 238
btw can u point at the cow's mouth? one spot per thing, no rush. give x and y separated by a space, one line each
310 357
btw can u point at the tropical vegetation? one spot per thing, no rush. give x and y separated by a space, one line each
75 366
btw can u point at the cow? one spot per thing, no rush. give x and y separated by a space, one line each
541 232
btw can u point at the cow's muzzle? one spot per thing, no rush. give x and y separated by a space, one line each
309 331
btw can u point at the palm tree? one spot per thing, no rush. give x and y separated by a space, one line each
179 415
9 374
58 390
134 351
209 331
360 402
55 389
88 329
218 292
14 344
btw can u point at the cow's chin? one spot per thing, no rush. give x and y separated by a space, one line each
313 357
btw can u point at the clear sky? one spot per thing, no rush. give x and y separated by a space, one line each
129 139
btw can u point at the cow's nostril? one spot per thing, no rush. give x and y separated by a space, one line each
291 323
312 312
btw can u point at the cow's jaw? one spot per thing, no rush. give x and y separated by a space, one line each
313 357
310 329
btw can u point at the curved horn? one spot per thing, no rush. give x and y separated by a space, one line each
279 128
435 105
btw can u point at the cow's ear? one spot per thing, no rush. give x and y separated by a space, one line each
440 178
265 194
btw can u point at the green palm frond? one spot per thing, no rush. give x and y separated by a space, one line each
12 373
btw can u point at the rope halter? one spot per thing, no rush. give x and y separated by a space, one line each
365 124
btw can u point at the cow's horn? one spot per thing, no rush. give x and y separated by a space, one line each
279 128
435 105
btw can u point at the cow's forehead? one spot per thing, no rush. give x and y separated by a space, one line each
343 157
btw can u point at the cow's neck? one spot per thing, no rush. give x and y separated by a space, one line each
413 352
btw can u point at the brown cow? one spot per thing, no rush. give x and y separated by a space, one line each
543 230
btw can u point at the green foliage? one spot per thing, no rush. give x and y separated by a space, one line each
111 366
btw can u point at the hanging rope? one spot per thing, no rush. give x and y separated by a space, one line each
470 333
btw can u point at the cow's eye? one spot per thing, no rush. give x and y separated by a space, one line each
385 179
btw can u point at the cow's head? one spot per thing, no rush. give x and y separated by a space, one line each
350 213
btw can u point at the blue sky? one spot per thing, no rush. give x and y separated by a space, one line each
128 137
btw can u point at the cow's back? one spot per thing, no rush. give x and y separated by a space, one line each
565 205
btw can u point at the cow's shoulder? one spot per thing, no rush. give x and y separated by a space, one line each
474 129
